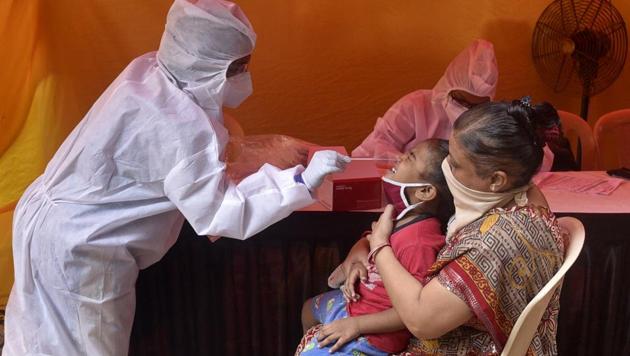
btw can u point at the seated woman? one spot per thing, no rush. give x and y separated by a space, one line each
563 158
417 188
503 244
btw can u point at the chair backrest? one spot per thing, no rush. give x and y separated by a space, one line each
576 130
612 133
526 325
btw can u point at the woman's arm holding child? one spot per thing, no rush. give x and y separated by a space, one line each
428 312
358 254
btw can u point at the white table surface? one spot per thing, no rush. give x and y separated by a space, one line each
562 201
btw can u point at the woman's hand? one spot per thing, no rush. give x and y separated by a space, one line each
382 229
357 271
342 330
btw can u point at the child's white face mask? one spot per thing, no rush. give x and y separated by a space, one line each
395 195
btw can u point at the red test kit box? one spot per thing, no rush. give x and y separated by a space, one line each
359 187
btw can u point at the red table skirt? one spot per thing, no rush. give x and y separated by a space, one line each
244 297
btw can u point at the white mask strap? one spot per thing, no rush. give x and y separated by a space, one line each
408 209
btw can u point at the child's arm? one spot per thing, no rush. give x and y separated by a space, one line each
347 329
381 322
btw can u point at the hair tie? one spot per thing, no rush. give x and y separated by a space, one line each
526 102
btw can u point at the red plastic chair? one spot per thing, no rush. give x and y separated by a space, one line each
612 135
576 130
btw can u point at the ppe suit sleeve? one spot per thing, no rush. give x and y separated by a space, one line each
391 133
215 206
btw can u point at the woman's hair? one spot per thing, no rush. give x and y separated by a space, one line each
548 115
502 136
437 151
550 125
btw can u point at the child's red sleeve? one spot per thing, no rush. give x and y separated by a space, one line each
419 257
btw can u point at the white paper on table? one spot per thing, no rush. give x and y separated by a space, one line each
581 184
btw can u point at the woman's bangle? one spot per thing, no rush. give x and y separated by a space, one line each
372 254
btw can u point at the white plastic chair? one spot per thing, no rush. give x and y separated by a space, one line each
526 325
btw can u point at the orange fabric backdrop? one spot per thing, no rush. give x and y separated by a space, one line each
322 71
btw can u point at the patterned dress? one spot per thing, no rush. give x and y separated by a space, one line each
496 265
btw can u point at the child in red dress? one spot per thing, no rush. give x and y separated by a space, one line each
359 317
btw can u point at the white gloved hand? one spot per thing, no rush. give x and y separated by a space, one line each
322 164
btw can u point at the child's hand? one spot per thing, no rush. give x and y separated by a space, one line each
337 277
382 228
342 330
357 270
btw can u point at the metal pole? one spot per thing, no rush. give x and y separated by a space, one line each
584 106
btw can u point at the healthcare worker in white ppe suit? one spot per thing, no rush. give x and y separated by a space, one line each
115 195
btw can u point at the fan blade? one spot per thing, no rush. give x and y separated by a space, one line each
559 34
566 68
575 18
586 12
586 55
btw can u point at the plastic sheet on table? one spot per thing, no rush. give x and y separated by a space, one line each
246 154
